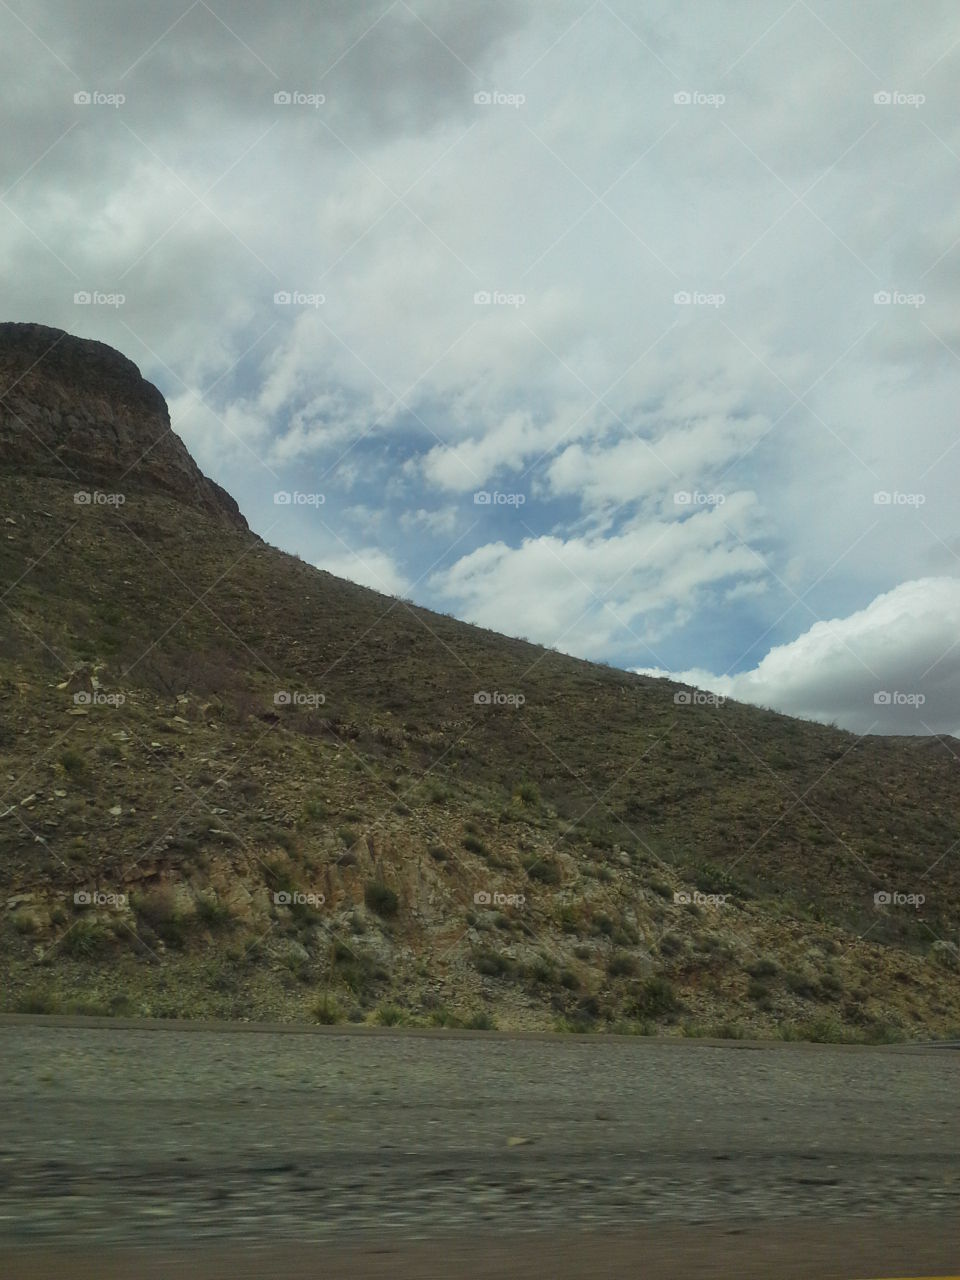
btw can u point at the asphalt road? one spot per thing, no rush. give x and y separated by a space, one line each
376 1149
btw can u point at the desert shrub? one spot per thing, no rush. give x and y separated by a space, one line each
603 924
213 911
527 793
709 878
388 1015
822 1031
493 964
544 870
655 999
381 899
481 1021
327 1011
37 1001
73 763
314 809
355 969
473 844
540 973
801 984
830 986
157 908
621 964
568 920
86 939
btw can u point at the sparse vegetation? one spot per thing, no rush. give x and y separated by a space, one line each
381 899
377 797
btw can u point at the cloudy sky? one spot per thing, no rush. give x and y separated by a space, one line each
632 329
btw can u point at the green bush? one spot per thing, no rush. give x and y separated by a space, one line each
801 984
492 964
73 763
709 878
37 1001
327 1011
545 870
86 939
213 911
381 899
621 964
389 1015
655 999
527 793
481 1022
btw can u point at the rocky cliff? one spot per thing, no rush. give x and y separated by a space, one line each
79 410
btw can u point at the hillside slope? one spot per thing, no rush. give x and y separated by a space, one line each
202 728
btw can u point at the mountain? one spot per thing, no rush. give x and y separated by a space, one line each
234 785
76 408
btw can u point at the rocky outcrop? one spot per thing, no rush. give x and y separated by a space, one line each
81 411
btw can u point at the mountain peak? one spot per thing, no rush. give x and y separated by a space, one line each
78 409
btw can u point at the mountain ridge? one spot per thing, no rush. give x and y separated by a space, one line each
194 721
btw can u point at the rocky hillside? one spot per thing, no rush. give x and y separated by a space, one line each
234 785
72 408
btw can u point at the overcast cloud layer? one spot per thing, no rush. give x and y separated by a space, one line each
675 287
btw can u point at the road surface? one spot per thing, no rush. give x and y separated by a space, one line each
337 1152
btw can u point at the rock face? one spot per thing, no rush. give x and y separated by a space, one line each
81 411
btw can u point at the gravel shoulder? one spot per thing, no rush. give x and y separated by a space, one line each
163 1138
